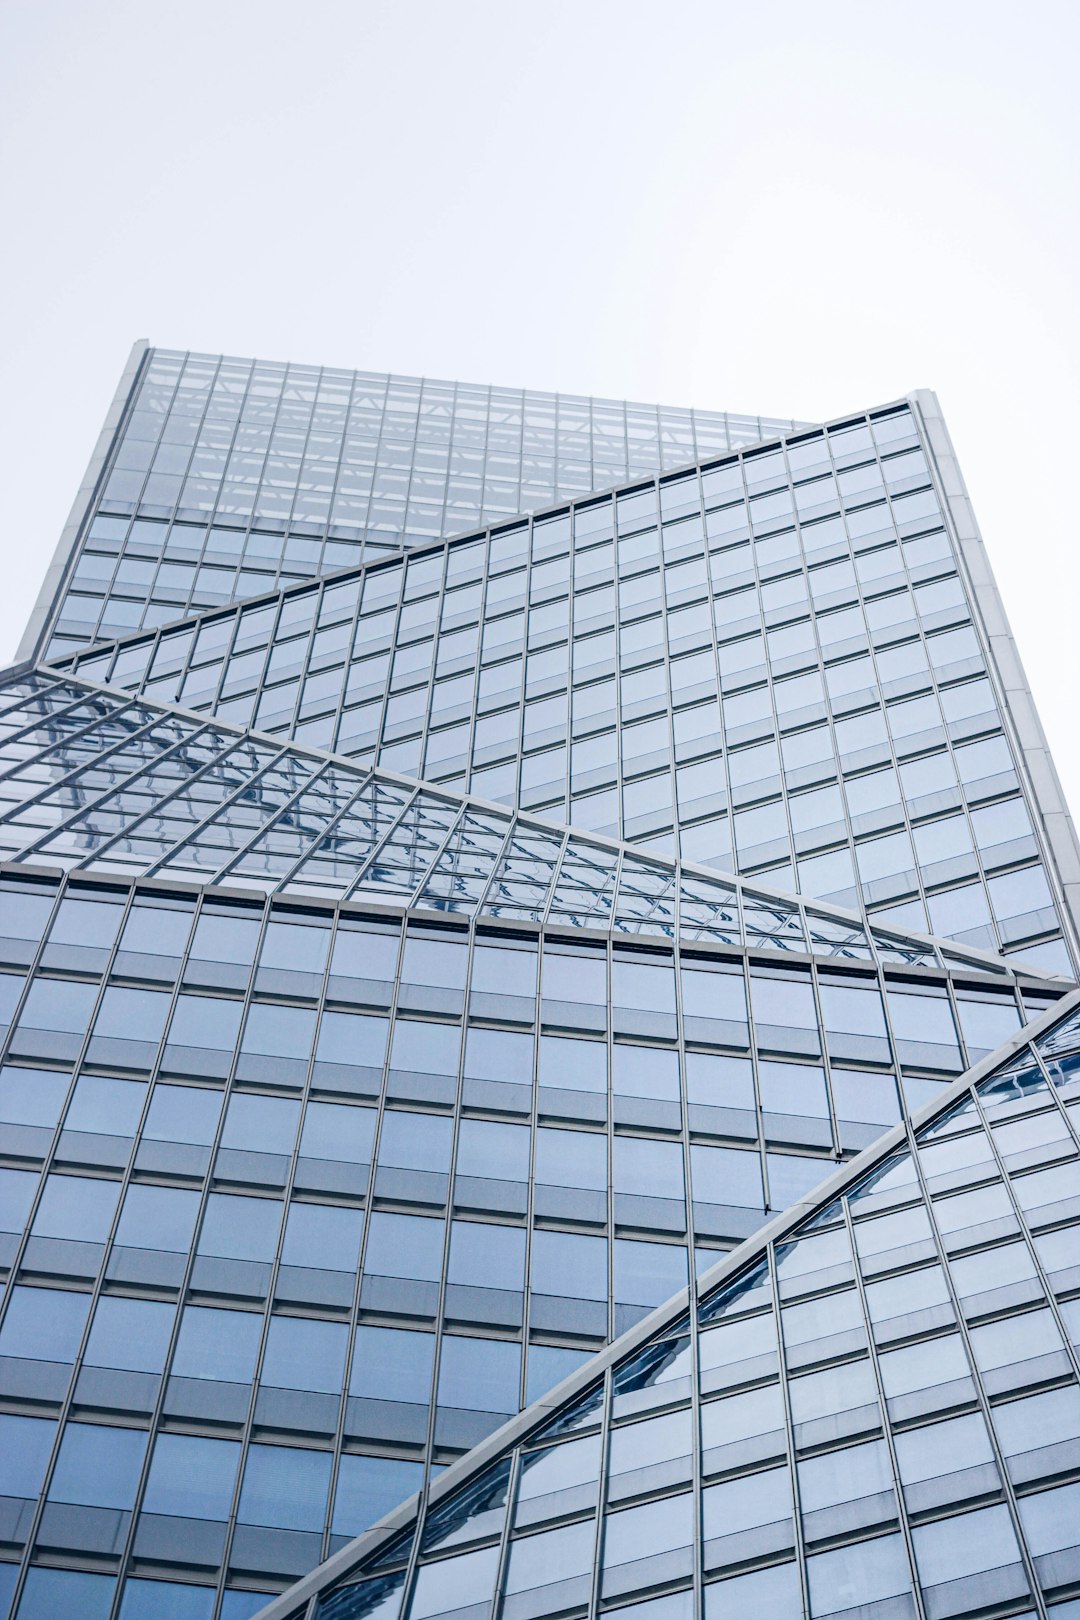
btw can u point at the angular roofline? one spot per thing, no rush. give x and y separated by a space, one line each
536 514
462 382
944 948
518 1428
123 399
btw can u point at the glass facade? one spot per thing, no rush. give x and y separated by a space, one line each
312 1187
771 664
93 780
875 1412
432 935
228 476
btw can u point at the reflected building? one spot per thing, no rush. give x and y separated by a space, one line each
472 861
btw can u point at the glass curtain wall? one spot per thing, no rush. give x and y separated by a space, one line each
772 664
444 911
876 1411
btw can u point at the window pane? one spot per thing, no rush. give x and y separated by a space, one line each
303 1354
404 1246
322 1236
217 1344
25 1448
480 1375
285 1488
368 1487
130 1333
166 1600
192 1477
392 1364
76 1207
98 1467
52 1592
158 1218
43 1324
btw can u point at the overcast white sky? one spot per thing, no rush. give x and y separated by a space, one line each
777 208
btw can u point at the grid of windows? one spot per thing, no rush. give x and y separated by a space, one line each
91 779
382 1032
297 1200
269 473
877 1414
768 664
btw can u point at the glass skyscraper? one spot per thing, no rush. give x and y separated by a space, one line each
474 860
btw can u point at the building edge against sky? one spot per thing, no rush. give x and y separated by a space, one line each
1019 705
59 563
